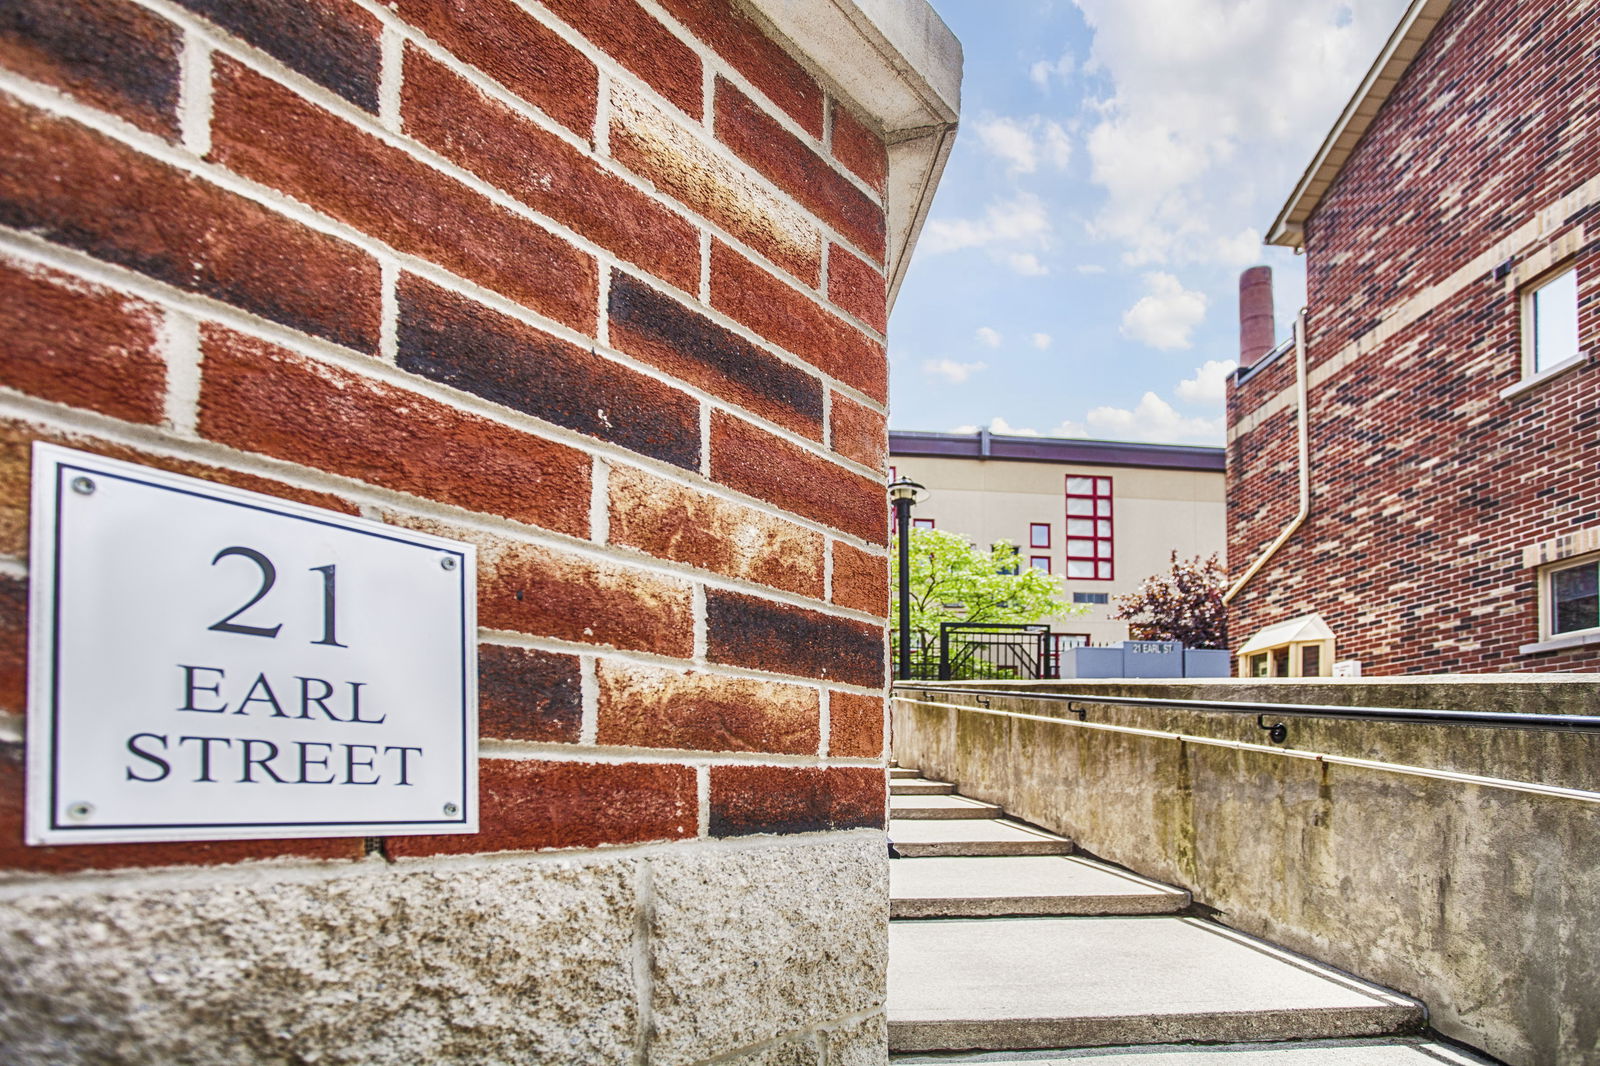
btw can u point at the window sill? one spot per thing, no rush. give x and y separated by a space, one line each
1543 376
1571 640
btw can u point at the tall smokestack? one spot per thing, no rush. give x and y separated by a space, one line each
1257 332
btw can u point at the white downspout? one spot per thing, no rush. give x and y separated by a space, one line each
1305 463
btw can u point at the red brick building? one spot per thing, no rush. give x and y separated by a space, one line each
1451 227
598 286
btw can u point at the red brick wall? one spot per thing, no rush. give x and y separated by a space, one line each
598 289
1427 484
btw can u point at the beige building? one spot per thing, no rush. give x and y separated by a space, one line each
1104 515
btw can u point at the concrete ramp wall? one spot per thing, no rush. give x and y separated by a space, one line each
1476 897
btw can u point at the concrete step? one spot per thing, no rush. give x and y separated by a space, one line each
940 807
1022 885
920 786
903 771
917 838
1385 1051
1019 983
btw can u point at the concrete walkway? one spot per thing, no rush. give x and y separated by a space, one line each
1005 948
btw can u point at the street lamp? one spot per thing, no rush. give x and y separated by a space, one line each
905 493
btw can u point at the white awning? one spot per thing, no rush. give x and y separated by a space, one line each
1308 627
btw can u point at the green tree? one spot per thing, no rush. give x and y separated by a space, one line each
1183 604
953 580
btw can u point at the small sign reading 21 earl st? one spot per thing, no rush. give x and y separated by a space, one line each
207 663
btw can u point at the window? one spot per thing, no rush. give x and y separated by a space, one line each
1091 597
1550 322
1089 543
922 523
1015 566
1039 535
1574 598
1039 562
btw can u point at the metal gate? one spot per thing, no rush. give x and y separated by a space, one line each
994 650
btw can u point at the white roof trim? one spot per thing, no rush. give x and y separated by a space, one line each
1404 43
900 65
1308 627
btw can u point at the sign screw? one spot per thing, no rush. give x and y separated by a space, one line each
448 562
80 810
451 809
83 486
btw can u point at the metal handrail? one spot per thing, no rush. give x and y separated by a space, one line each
1571 723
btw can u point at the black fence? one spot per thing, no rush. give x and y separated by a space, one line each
992 650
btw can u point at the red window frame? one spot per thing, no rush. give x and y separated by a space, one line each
1035 560
1033 534
1090 531
923 523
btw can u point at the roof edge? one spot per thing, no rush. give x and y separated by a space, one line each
900 65
986 445
1414 28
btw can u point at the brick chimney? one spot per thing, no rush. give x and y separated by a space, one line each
1257 333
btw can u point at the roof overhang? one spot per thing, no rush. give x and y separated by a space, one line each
1307 628
899 63
1288 229
986 445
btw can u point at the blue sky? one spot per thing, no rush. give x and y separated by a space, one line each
1117 166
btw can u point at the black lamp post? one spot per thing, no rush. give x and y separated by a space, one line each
905 493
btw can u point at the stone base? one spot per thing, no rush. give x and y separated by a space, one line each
671 955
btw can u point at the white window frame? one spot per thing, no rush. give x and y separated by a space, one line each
1532 373
1547 602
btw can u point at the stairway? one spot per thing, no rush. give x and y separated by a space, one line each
1004 947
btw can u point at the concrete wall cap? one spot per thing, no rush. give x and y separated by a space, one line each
898 63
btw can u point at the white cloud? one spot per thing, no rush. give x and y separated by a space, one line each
989 338
1025 263
1154 420
1090 268
1001 427
1208 117
1041 341
952 371
1209 384
1013 232
1043 72
1023 142
1166 315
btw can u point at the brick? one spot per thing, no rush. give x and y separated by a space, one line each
661 330
737 38
787 476
455 340
16 464
66 858
528 695
263 398
13 645
857 286
855 725
635 38
506 43
795 799
858 432
332 42
662 150
74 187
858 148
449 115
860 579
526 805
543 592
672 521
794 167
763 635
268 133
795 322
108 53
647 707
81 344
